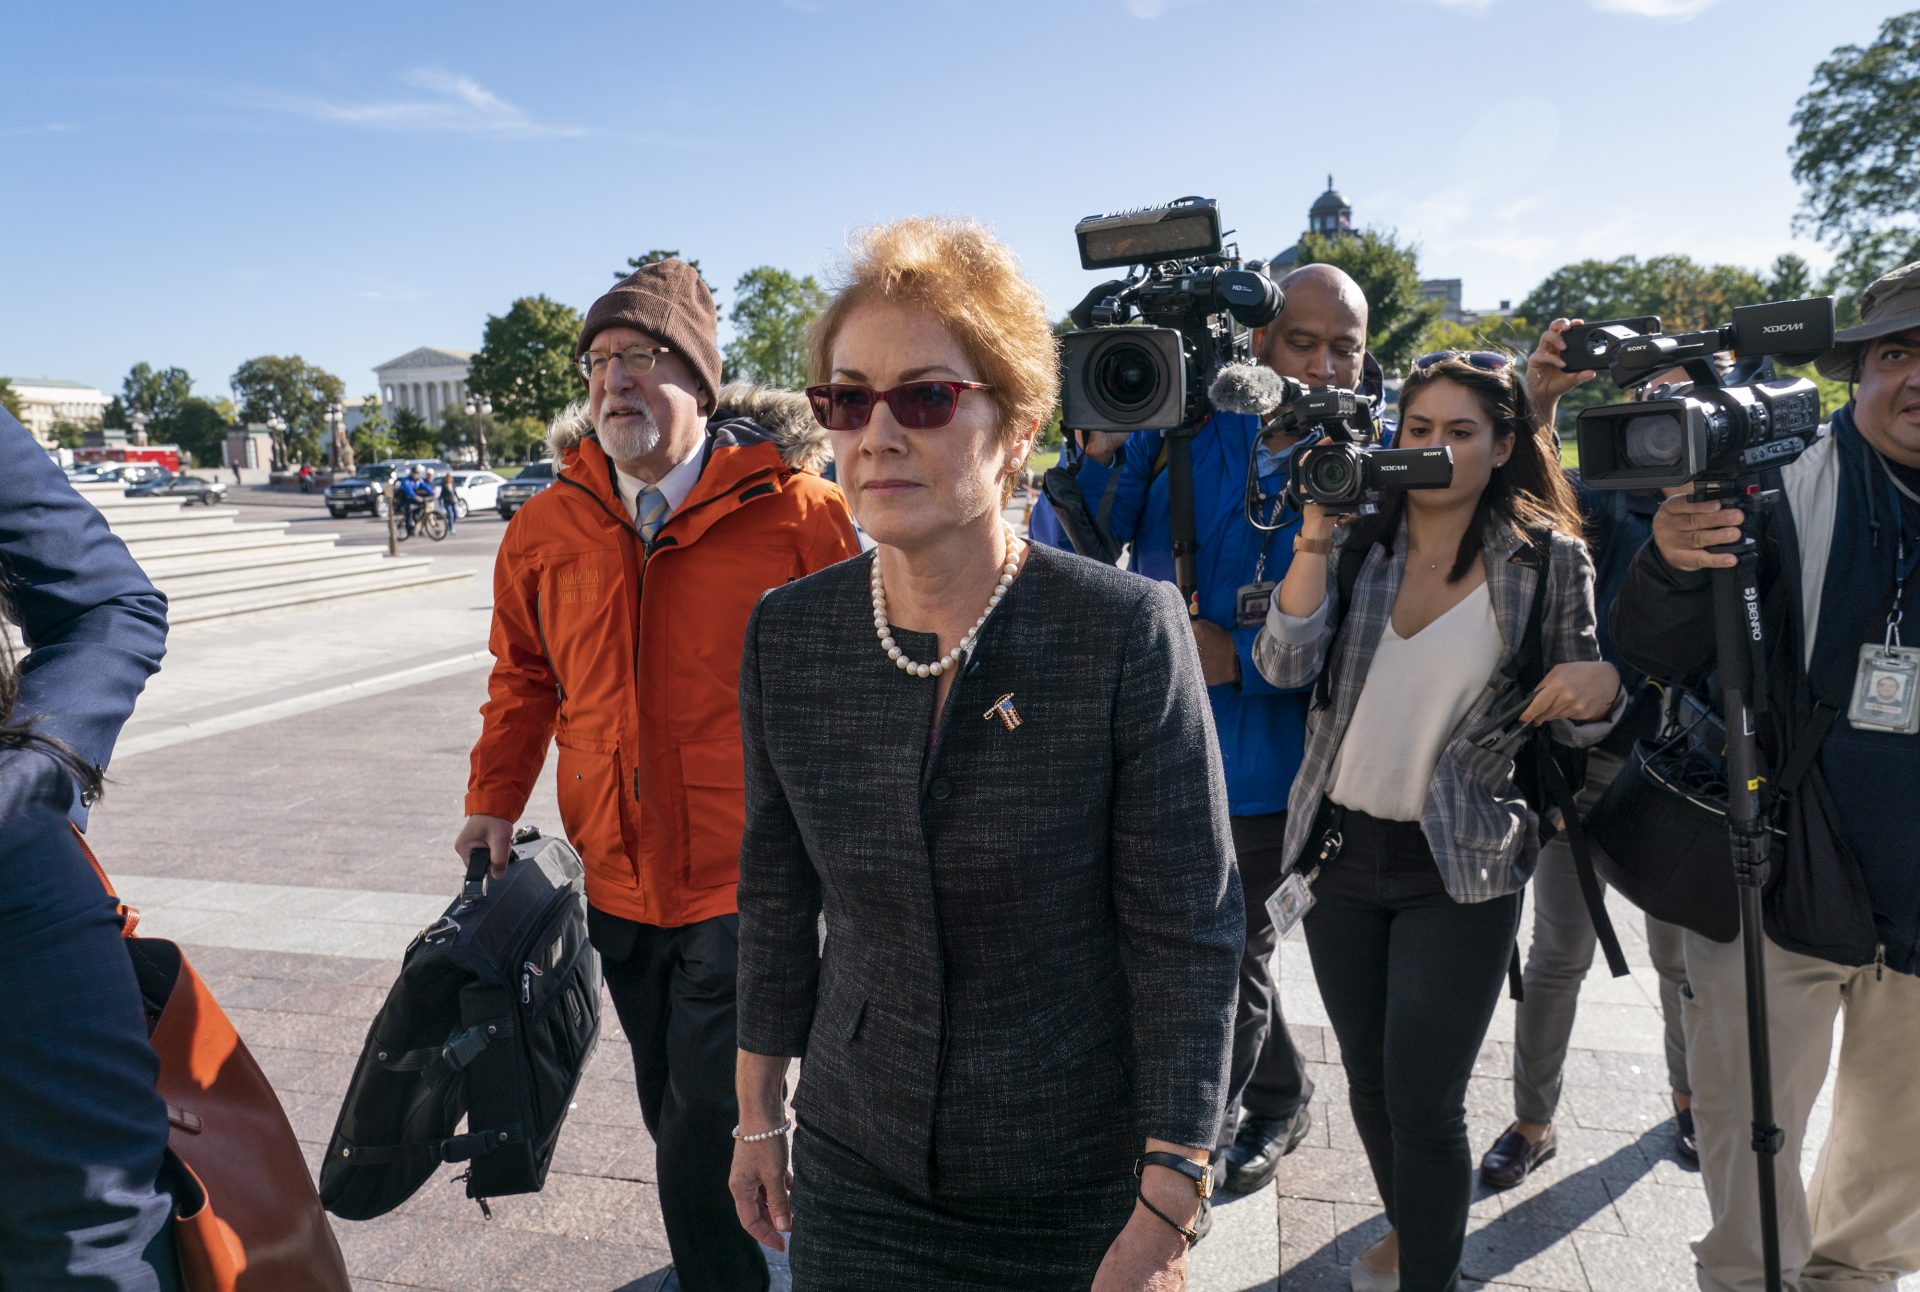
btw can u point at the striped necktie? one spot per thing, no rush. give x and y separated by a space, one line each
651 511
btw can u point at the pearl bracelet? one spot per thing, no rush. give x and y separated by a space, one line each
775 1133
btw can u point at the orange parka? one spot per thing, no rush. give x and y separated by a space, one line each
628 655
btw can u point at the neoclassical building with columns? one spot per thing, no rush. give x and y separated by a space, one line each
430 381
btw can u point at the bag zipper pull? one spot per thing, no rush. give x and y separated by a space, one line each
1879 962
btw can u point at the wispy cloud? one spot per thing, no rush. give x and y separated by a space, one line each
1465 6
379 289
1662 10
447 103
42 128
1149 9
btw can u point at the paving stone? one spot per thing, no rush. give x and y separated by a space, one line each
1534 1256
1602 1108
373 1248
1656 1211
1624 1265
1555 1198
1327 1175
587 1149
473 1256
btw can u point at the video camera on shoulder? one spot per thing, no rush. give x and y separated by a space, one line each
1711 431
1146 343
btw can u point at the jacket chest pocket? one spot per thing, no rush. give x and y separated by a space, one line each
581 624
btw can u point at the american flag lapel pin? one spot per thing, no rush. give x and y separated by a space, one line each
1003 709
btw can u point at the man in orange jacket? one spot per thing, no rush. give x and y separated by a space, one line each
664 485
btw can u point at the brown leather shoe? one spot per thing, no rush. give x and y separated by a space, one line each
1513 1157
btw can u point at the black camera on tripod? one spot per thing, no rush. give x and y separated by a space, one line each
1147 343
1712 430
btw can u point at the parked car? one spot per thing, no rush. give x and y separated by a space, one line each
477 490
362 490
534 478
123 473
190 489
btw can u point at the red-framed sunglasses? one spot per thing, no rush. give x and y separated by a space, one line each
916 405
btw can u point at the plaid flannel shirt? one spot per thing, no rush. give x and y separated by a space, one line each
1483 835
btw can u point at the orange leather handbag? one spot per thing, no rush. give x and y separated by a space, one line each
246 1215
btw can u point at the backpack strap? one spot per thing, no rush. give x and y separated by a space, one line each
1531 668
1353 556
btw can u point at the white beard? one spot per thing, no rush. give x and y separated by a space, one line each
626 442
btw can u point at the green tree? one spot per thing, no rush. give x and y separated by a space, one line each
525 364
290 396
1856 153
68 435
10 398
517 437
157 393
1684 293
477 430
115 414
772 311
1388 272
412 434
1790 279
199 427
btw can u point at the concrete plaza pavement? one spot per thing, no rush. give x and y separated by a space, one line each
284 802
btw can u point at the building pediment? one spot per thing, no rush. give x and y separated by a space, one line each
427 356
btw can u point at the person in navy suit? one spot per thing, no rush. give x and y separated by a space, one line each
82 1131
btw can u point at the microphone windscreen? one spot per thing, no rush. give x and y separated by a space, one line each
1250 388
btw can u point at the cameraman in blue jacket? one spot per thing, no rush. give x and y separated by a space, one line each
1320 338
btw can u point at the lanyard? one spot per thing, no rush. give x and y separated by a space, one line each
1266 540
1903 565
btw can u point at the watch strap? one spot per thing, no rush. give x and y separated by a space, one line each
1318 546
1198 1172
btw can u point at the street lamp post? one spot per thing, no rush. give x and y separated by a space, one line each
478 406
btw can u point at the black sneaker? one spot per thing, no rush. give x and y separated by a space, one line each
1686 1145
1253 1159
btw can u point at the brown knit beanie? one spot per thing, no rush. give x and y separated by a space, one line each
667 301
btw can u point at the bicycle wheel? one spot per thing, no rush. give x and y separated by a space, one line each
435 523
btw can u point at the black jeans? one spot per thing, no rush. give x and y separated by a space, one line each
1267 1077
674 992
1410 978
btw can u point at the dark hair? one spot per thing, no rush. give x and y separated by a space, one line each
25 734
1528 491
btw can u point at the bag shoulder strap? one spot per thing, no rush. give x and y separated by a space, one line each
1353 558
129 918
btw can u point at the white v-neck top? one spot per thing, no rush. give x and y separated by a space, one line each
1417 692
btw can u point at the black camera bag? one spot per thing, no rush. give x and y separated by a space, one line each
493 1017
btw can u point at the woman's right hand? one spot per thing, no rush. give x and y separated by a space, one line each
1316 521
762 1187
1547 375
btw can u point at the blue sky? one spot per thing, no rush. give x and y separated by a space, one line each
196 184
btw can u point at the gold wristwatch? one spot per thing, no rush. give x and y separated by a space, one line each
1318 546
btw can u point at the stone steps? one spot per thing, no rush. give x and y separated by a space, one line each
212 565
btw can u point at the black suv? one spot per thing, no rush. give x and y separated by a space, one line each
362 491
534 478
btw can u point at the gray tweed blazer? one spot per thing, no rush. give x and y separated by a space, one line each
1033 928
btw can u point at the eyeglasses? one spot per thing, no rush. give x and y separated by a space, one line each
916 405
637 361
1485 360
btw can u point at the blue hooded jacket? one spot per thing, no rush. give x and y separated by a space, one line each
1262 729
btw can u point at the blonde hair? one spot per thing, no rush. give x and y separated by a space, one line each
970 281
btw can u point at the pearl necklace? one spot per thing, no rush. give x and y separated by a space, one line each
952 658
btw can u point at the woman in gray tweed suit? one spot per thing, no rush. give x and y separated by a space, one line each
992 766
1404 817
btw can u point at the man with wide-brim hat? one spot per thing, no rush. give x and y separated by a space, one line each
1843 905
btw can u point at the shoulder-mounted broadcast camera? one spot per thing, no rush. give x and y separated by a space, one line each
1711 431
1146 343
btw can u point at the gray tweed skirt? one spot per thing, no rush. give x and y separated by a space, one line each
856 1231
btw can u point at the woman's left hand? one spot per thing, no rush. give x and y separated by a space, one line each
1147 1256
1579 692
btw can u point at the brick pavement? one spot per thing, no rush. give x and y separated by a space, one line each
294 855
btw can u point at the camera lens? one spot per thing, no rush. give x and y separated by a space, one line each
1127 377
1654 440
1331 474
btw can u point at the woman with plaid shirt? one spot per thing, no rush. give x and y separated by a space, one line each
1404 817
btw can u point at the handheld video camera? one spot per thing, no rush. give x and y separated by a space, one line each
1711 431
1147 342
